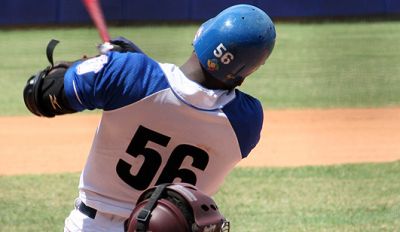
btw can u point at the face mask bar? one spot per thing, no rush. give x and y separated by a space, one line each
226 226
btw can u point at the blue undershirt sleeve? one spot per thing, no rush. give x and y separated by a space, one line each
112 80
246 116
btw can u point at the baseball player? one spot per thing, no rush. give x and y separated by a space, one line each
161 123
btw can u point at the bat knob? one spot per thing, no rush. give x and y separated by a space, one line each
105 47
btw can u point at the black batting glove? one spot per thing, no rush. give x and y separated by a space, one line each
121 44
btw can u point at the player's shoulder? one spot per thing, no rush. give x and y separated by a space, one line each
245 113
245 103
139 59
137 64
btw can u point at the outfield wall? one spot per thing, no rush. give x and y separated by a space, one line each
37 12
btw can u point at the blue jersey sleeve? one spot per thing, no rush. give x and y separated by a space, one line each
246 116
112 80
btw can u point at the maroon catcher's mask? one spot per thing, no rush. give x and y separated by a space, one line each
176 208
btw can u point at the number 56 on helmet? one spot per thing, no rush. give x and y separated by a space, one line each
235 43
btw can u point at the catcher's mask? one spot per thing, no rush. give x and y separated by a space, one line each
176 208
235 43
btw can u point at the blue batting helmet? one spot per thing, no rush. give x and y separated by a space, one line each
235 43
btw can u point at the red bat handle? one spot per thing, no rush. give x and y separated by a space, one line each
96 14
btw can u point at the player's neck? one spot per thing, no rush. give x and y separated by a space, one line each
193 70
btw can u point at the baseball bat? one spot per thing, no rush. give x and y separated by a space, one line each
96 14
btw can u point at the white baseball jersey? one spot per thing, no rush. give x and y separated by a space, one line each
157 126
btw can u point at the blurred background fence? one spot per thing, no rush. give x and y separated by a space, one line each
44 12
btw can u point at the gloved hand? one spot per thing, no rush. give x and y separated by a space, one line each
119 44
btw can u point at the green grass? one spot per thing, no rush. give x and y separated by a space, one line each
333 65
335 198
363 197
37 202
313 65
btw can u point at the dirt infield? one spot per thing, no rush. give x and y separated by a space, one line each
289 138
